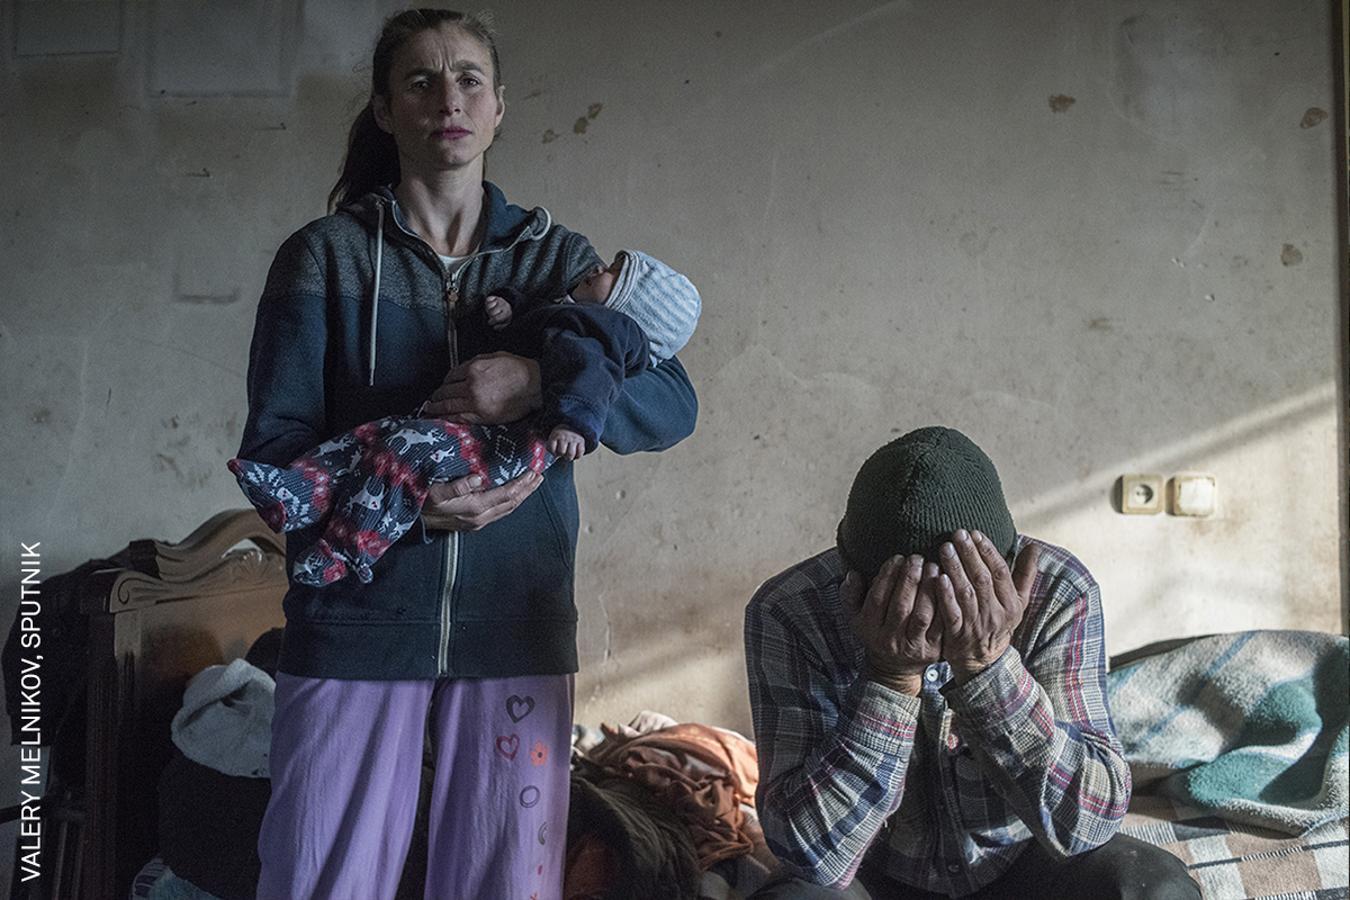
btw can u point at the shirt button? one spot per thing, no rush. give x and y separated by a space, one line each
931 674
953 867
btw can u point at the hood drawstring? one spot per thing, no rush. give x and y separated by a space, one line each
375 292
526 234
548 223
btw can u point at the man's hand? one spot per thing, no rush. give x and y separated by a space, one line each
980 601
462 504
491 389
896 620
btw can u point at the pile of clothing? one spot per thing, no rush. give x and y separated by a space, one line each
215 788
663 810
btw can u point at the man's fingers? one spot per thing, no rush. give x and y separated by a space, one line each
1004 587
961 586
1024 572
934 635
902 597
948 608
920 617
876 609
977 571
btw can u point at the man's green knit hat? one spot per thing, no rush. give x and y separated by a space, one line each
914 492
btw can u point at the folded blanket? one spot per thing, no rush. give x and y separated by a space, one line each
1251 726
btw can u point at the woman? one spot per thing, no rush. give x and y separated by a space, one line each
469 627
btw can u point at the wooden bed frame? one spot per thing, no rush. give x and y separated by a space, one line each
148 635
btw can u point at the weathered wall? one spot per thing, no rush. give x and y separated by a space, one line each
1097 237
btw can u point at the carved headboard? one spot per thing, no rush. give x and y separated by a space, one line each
148 635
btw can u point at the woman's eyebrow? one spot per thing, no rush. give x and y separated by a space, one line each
464 66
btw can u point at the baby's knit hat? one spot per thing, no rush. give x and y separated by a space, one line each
662 301
917 490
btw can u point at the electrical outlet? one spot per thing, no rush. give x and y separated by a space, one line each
1141 495
1192 494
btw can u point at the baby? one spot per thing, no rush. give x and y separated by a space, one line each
595 287
368 485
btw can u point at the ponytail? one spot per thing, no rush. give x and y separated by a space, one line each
371 161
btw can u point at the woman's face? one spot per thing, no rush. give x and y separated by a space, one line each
441 107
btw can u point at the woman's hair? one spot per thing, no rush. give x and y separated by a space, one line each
372 155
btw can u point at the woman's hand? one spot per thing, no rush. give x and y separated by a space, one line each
491 389
463 505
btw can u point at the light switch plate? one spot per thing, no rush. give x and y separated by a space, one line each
1141 495
1192 494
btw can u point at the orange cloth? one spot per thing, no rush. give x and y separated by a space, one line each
703 773
589 869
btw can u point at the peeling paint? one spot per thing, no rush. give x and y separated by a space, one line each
41 416
1290 255
550 135
594 110
1100 323
167 463
1313 117
580 125
1061 102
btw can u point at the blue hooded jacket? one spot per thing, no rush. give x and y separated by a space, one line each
357 321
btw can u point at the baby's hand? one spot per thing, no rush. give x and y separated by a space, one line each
498 311
565 443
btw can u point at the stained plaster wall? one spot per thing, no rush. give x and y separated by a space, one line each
1099 237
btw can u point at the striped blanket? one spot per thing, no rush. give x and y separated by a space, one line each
1250 727
1231 861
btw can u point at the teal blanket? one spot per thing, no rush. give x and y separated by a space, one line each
1250 726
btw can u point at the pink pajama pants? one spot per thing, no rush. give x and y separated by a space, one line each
346 762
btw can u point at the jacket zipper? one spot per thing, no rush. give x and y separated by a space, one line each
451 282
452 551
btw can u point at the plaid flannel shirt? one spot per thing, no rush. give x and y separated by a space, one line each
941 791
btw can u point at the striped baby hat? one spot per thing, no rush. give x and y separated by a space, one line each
662 301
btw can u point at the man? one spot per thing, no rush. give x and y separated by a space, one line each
929 702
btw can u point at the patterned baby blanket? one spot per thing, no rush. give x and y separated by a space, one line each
1250 726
